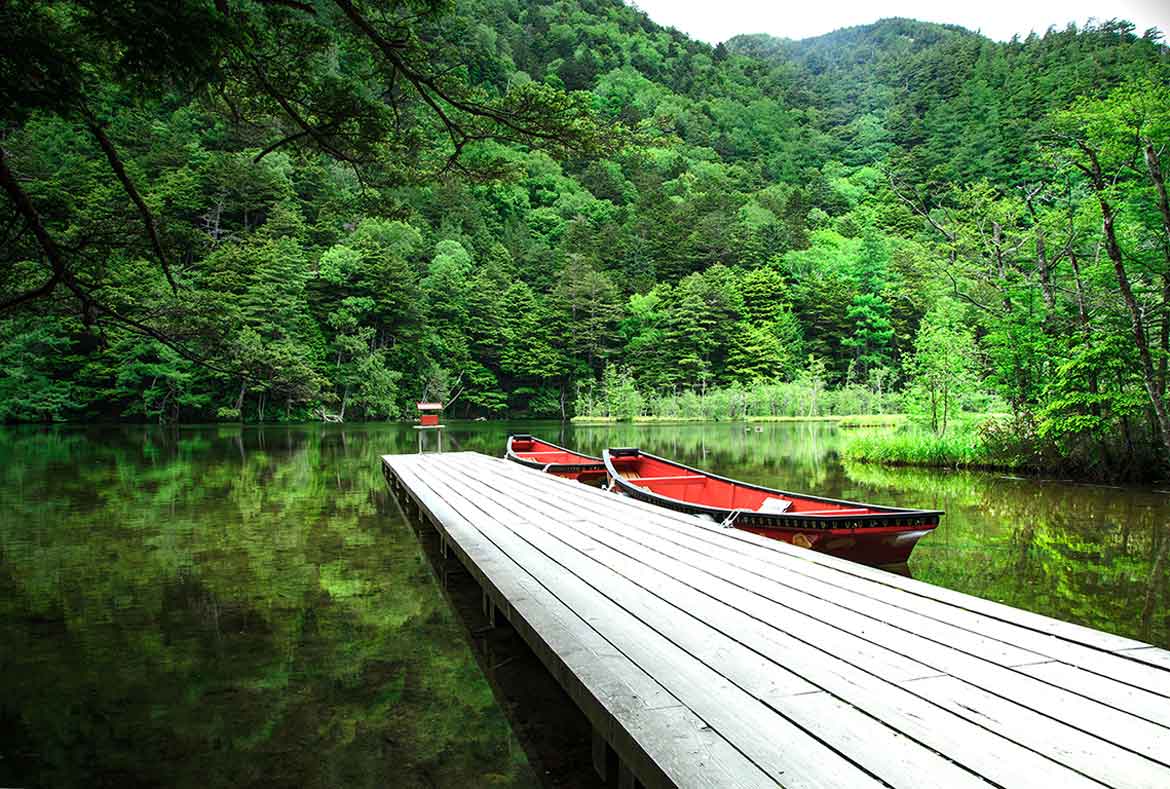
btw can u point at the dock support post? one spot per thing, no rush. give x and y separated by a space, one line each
600 754
489 608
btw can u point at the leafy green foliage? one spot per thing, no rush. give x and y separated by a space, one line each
943 367
331 210
29 390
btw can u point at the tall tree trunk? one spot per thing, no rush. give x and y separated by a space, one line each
1135 315
1149 376
1164 333
1086 329
240 399
1155 170
1042 265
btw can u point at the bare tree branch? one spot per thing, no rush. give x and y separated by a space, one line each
306 7
431 91
62 275
25 208
317 133
279 144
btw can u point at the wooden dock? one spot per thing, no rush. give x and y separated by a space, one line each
711 657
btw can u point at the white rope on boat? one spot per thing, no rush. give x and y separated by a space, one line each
729 521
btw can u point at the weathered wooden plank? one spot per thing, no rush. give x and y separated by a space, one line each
708 656
1059 741
966 741
855 735
1113 725
1148 654
1116 694
622 701
788 754
885 587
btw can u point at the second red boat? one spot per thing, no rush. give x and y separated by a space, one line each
541 455
867 533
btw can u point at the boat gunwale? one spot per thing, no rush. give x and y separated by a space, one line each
775 520
593 464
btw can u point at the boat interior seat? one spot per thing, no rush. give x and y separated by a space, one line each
773 504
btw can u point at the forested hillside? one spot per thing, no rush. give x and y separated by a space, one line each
263 210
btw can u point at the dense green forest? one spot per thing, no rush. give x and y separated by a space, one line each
287 210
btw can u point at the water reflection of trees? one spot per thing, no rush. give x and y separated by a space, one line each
219 606
1088 554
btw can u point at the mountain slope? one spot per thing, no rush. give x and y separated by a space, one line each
956 105
751 227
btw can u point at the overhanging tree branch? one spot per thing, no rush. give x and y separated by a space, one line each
63 276
279 144
25 208
148 221
317 133
31 295
431 91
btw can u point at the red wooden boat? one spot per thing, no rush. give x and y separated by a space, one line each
866 533
532 452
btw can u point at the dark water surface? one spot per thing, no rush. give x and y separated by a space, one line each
226 606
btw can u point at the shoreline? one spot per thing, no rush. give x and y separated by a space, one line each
842 420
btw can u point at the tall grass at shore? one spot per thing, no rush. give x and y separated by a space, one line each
848 420
960 449
973 441
617 398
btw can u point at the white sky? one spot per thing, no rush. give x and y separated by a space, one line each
720 20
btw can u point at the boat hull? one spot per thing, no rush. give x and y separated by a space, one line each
892 547
883 536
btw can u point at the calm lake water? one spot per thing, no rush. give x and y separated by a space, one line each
227 606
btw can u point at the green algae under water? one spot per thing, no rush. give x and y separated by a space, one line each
245 606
